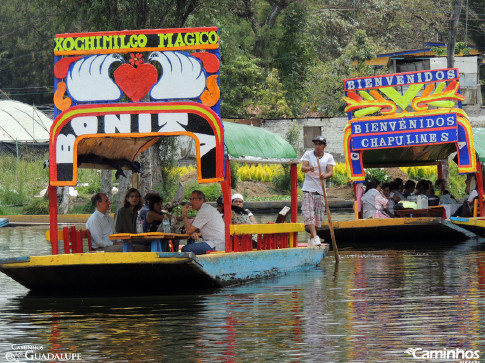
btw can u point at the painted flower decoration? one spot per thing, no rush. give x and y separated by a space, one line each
136 60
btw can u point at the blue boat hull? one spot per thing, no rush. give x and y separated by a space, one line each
152 272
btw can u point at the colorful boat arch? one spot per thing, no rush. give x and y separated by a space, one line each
403 119
94 124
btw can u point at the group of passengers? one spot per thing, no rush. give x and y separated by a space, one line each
208 222
379 201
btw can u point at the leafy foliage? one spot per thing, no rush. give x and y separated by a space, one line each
37 206
234 175
280 58
240 80
21 179
212 191
170 178
379 174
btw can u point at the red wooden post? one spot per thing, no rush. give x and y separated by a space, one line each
73 239
294 199
236 243
79 242
65 234
226 194
53 218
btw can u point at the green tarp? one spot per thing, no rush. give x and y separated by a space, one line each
479 142
254 144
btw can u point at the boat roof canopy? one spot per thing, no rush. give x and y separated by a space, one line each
243 143
249 144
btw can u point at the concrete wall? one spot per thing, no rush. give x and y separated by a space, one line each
332 129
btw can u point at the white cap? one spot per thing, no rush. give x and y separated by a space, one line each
237 196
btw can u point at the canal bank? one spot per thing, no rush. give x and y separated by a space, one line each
256 206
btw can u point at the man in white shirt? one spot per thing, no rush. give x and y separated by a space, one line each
208 221
101 225
313 204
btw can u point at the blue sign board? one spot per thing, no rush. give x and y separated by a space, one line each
406 131
401 79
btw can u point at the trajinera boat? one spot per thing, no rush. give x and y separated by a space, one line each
116 94
398 120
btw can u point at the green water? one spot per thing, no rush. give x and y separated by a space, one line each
372 307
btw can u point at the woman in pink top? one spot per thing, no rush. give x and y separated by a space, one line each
375 205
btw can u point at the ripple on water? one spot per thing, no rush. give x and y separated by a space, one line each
370 307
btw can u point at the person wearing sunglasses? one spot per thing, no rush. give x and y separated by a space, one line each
208 222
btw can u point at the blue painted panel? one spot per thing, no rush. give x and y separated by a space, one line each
229 268
401 79
14 260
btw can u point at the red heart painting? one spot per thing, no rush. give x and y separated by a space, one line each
136 82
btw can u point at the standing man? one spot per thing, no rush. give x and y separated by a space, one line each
208 221
313 204
101 225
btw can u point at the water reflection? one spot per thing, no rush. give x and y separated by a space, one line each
371 307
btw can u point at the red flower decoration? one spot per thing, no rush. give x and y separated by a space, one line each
136 59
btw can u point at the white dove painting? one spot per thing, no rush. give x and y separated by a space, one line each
88 79
182 76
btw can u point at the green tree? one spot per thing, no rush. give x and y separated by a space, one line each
476 26
283 181
294 53
240 84
272 102
326 78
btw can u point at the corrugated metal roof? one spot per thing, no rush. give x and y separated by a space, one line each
22 122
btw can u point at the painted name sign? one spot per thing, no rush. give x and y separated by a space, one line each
135 120
403 124
141 40
402 79
404 132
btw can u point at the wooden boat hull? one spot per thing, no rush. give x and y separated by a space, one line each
152 272
475 225
395 232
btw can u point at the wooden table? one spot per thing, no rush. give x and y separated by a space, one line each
158 240
434 211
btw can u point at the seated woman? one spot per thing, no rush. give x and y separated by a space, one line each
154 216
374 204
154 219
125 217
386 191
